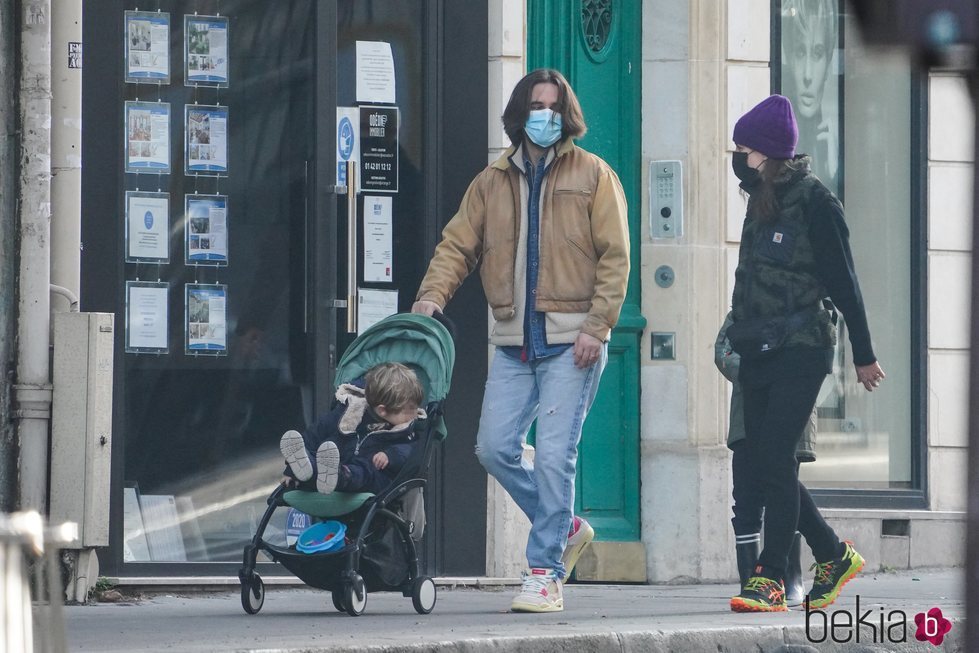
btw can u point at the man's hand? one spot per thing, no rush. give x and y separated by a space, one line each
870 375
425 308
587 349
380 460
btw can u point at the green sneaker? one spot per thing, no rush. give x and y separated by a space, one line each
760 594
831 576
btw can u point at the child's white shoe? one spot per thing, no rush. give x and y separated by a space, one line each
327 467
293 449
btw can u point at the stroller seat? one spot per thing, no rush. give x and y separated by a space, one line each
325 506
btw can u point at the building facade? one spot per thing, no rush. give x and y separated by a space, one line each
211 223
895 144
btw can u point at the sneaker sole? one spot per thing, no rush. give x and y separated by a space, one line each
328 465
293 449
822 603
738 604
575 552
531 607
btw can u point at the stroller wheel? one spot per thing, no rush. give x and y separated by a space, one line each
253 594
355 596
423 594
338 600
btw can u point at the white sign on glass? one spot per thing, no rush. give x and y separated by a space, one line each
147 227
375 72
147 318
377 239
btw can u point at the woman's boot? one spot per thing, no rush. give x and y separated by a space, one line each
748 548
795 591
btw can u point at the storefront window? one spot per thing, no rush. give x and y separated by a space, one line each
853 105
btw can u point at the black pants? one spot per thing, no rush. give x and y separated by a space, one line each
767 473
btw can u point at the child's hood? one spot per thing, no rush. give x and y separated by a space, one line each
355 399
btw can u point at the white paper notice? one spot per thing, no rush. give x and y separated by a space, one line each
377 238
375 72
147 326
149 226
373 306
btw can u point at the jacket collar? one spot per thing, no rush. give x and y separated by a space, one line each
503 162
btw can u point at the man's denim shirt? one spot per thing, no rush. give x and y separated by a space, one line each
535 333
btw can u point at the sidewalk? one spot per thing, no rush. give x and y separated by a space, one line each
597 618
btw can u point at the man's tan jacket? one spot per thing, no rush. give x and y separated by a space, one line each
584 246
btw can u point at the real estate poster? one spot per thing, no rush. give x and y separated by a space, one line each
377 239
147 319
147 227
147 47
206 130
206 51
206 229
148 137
205 309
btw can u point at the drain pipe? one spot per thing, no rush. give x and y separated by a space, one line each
66 151
32 391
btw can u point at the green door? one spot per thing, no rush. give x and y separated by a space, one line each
596 44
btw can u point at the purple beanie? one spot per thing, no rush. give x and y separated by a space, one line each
769 128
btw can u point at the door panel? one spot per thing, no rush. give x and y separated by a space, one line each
596 44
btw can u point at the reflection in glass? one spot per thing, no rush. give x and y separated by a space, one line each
868 443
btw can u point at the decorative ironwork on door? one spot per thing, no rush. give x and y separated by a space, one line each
596 23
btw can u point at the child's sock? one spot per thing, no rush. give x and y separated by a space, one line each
327 464
293 449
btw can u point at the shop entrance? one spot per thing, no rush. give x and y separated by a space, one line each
215 227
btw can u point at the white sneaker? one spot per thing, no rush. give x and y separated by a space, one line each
293 449
581 535
541 592
327 467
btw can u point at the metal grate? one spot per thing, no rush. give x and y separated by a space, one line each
596 23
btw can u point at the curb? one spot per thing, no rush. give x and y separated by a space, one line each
758 639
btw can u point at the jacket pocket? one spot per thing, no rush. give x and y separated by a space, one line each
776 243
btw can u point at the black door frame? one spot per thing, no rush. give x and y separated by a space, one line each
456 143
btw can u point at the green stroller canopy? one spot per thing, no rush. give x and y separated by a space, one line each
416 340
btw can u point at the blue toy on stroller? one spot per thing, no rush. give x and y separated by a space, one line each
378 552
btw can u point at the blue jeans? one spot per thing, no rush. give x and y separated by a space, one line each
558 395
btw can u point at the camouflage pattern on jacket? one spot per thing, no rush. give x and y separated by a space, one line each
777 274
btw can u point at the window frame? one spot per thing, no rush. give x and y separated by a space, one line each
916 497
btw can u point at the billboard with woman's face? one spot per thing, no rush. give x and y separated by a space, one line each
811 77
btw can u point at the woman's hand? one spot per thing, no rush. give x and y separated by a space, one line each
587 349
870 375
425 308
380 460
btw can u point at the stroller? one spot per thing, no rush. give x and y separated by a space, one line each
379 551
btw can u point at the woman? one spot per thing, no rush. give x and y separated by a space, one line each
794 254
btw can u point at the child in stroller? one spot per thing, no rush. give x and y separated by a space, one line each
382 524
362 444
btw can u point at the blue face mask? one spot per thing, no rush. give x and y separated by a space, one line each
543 127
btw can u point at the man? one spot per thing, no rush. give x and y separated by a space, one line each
548 222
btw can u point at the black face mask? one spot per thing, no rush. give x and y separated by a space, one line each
747 174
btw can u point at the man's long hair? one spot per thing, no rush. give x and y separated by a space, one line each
518 108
